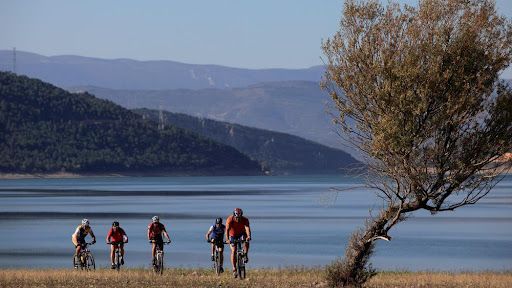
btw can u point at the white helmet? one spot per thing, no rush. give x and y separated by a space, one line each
85 222
155 219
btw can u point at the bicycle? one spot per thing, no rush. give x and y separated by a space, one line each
240 259
117 254
217 264
158 261
85 260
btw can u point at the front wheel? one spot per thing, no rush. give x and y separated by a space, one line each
217 263
240 266
117 260
76 262
89 262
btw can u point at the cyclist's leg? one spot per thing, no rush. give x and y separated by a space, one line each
221 254
112 254
246 248
233 252
153 252
121 247
78 247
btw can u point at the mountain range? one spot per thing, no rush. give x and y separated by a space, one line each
68 70
278 153
292 107
283 100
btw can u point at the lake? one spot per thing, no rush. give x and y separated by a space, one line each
296 221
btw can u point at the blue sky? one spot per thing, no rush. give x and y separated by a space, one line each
238 33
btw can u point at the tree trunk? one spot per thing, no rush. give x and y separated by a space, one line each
354 269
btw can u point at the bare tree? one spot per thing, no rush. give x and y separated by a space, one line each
418 93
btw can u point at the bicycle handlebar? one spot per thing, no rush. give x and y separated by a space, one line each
116 243
166 242
213 241
237 241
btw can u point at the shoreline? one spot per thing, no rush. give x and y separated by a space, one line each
70 175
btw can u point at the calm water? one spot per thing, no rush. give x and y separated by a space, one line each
295 221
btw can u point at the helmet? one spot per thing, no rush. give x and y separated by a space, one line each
218 221
115 224
238 212
85 222
155 219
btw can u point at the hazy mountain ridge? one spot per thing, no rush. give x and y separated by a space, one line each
47 129
68 70
292 107
278 153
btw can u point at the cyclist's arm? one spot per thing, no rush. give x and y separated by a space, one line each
149 233
248 232
207 236
228 227
125 235
92 235
167 235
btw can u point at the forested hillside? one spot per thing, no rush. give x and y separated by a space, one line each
47 129
278 153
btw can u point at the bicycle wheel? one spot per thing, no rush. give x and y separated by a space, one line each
89 262
117 261
240 266
155 264
159 268
242 271
217 262
76 262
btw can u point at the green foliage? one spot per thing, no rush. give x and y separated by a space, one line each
46 129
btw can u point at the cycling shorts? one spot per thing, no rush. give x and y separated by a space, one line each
238 237
118 245
159 242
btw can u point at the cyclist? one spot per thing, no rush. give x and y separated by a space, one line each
237 228
215 235
155 231
78 238
117 235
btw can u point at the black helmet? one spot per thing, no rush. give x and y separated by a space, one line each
115 224
218 221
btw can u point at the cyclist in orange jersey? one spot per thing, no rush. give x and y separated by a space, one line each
237 228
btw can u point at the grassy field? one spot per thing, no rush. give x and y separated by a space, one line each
275 278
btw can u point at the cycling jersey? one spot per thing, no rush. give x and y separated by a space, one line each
236 229
155 230
217 232
116 236
80 233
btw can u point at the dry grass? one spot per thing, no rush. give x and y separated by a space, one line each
256 278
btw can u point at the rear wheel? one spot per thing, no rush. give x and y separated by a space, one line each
159 267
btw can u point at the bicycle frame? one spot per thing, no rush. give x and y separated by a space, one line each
158 261
217 264
117 252
239 258
85 258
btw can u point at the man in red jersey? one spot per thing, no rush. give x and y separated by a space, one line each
116 237
237 228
